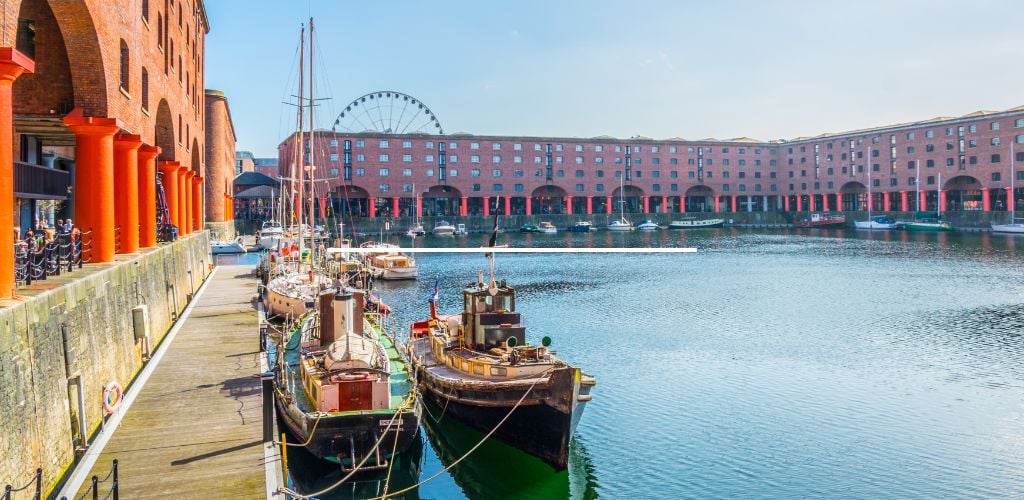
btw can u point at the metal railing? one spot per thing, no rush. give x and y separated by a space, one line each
94 486
35 261
37 481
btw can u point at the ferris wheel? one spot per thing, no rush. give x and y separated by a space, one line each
388 112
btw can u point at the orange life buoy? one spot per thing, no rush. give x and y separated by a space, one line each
112 394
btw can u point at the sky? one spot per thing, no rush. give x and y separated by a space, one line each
574 68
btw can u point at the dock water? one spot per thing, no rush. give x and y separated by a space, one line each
195 429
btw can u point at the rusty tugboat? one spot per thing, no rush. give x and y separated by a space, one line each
343 387
479 368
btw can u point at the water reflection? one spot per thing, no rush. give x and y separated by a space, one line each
311 474
496 470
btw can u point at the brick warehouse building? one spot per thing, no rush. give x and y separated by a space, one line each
99 98
373 174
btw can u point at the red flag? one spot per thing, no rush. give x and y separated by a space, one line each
323 208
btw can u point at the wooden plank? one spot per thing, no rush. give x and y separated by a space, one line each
195 430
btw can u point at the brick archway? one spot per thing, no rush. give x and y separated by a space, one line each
164 132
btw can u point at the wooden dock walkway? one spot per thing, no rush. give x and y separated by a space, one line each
195 429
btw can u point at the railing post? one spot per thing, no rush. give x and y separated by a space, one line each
7 492
95 488
39 482
114 488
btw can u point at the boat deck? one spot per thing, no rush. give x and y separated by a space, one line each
195 429
421 350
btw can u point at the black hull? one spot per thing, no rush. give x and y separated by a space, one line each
538 429
337 437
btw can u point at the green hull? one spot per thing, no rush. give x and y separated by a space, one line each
927 226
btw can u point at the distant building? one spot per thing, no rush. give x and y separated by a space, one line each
401 174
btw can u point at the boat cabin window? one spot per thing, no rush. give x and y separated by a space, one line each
503 303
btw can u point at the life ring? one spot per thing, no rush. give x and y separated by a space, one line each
112 394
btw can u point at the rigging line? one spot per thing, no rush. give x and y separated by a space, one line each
413 119
391 109
381 115
471 450
287 87
405 106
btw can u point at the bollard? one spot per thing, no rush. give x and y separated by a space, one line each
39 482
95 488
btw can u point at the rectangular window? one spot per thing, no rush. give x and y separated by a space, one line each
496 188
600 187
496 172
360 157
428 158
973 129
910 136
518 188
406 144
517 159
517 147
929 133
993 126
384 188
453 159
383 143
579 148
475 172
453 172
495 159
599 148
517 172
474 159
407 158
579 188
496 146
429 144
930 163
383 172
407 172
996 176
476 187
579 159
383 157
995 158
430 172
474 145
453 145
334 156
995 141
910 150
360 172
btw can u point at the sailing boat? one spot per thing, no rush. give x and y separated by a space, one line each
292 293
622 224
926 221
1014 226
880 222
478 367
417 226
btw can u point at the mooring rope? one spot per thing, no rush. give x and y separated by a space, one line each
401 409
471 450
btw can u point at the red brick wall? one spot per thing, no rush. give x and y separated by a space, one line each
92 31
715 152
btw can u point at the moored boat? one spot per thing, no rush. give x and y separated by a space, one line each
443 228
620 225
343 387
879 222
582 226
479 366
269 235
460 230
227 247
529 228
387 262
547 228
647 225
695 223
292 294
822 220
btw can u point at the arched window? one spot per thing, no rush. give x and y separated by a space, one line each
124 66
145 89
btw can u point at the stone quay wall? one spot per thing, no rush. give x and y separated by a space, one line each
83 329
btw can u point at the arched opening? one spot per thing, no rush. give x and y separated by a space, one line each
125 67
962 192
442 201
547 200
628 199
350 201
164 132
700 199
853 197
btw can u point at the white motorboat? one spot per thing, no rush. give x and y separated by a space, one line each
647 225
293 294
695 223
547 228
620 225
227 247
443 228
460 230
269 235
880 222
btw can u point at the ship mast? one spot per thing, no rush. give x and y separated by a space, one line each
302 146
312 155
